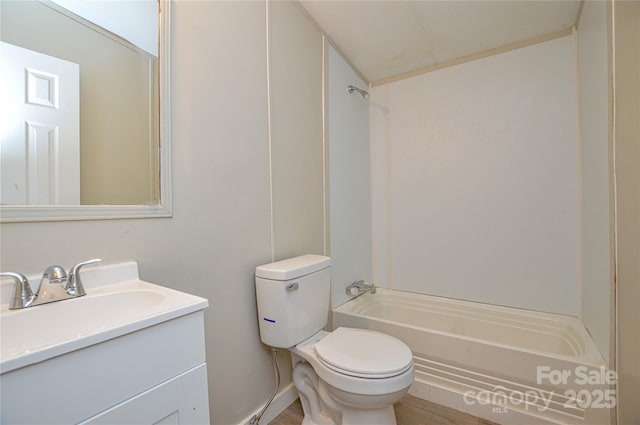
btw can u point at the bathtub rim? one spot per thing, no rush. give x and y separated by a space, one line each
590 357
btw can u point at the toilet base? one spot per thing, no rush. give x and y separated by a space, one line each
308 421
384 416
356 408
325 405
352 416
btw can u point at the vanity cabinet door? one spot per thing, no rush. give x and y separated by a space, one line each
178 401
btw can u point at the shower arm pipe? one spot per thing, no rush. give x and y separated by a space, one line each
351 88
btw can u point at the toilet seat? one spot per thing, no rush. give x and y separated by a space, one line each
363 353
347 381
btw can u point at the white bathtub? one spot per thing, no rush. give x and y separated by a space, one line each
507 365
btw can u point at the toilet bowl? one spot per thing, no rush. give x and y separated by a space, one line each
360 374
348 376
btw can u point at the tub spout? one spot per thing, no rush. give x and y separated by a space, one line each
360 287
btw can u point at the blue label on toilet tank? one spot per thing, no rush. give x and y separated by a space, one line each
269 320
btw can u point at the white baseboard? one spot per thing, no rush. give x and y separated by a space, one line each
280 402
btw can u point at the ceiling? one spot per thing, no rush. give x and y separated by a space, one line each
385 39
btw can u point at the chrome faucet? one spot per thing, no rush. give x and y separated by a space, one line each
361 286
55 285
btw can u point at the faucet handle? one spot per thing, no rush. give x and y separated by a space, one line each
74 283
22 295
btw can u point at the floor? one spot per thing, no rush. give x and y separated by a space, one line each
409 411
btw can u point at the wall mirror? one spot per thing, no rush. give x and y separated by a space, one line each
85 128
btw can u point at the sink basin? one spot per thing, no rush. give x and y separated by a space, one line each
107 311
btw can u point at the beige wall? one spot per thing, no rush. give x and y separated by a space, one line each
627 172
296 131
221 226
118 131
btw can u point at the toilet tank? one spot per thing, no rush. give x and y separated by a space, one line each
293 299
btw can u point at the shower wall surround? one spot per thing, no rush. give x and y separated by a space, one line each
593 71
348 174
475 180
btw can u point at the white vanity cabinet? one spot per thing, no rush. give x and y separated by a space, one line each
142 363
181 399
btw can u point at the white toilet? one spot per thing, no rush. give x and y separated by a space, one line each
348 376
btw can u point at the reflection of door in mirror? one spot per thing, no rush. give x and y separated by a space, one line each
40 149
119 108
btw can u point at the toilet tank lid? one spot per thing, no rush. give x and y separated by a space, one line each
293 268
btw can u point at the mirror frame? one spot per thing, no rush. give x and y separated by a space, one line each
36 213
